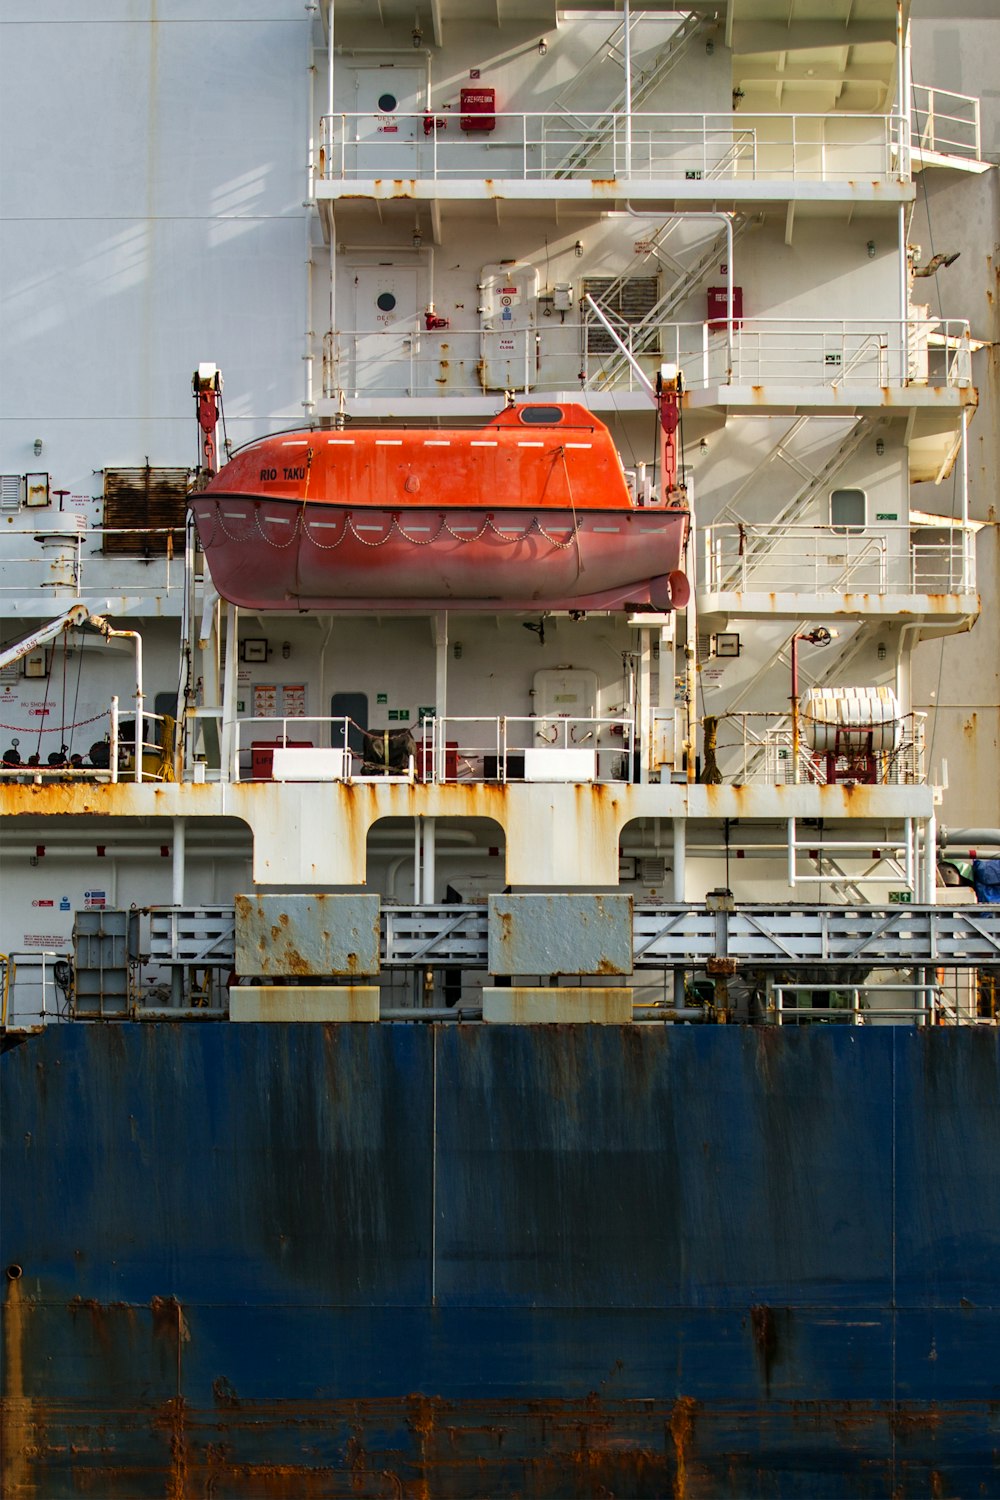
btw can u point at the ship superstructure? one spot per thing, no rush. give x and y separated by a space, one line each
523 645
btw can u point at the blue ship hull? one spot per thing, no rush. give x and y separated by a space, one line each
421 1261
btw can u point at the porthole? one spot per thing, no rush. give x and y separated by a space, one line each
387 103
385 302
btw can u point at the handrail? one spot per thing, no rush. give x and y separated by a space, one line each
880 558
650 145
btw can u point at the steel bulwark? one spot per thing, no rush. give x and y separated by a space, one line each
319 1260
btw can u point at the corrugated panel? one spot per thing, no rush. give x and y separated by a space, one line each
630 301
386 1260
153 502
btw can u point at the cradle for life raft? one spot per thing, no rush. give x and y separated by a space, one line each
533 510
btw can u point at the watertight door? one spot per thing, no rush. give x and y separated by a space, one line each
508 302
386 133
386 331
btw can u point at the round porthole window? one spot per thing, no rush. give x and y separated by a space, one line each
385 302
387 103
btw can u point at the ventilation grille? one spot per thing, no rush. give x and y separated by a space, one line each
628 300
144 511
10 492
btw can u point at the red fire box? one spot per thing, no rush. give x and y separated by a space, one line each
718 308
479 109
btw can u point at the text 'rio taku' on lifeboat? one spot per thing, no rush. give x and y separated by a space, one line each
531 511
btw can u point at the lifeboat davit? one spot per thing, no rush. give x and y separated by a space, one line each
531 511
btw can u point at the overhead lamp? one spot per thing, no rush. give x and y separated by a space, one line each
543 46
418 238
872 249
416 33
578 249
38 447
880 446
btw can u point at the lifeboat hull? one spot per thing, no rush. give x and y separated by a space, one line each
277 554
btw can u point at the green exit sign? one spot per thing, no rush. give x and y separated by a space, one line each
886 515
901 898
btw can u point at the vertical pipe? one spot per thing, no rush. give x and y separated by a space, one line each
441 692
790 835
114 738
679 874
430 829
691 647
230 738
417 831
908 839
930 861
796 732
904 296
628 88
644 715
179 862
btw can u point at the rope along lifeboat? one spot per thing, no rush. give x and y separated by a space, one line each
531 511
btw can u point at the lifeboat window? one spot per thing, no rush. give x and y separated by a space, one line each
385 302
387 103
547 416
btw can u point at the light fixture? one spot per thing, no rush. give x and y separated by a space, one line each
881 652
254 649
416 33
418 238
738 97
879 446
286 649
872 249
578 249
703 446
543 46
38 447
710 46
726 643
456 650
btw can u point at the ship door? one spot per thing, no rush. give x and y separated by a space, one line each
387 330
561 694
353 706
389 121
508 302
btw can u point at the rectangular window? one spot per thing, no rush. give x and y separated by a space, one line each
848 511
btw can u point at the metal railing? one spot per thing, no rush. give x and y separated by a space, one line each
946 123
494 748
74 560
357 754
835 559
406 360
111 758
30 995
755 748
554 146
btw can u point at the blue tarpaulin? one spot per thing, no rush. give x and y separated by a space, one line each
986 880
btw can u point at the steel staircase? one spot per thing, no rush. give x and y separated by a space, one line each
644 337
759 548
644 81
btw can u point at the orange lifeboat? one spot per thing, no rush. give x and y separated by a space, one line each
531 511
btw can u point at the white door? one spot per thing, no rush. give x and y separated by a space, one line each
388 127
387 331
508 300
